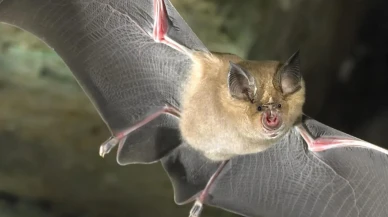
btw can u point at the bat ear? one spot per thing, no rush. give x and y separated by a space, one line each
241 83
289 76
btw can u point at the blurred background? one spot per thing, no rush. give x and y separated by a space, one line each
50 132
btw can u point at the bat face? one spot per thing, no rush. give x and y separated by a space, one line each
270 105
270 114
234 107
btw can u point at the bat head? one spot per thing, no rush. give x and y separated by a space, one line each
268 95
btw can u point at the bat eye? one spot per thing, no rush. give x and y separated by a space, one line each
259 108
279 105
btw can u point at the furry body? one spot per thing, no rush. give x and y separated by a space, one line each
221 126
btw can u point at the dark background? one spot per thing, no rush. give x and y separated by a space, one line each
50 133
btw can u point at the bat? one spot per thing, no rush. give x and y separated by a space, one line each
145 71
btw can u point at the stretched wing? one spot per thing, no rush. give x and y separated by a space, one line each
289 180
108 46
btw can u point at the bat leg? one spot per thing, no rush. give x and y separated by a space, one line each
323 143
198 205
108 145
162 24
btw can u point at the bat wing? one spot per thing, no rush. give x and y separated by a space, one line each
108 46
289 179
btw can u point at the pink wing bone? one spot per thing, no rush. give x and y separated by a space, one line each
107 146
330 142
161 25
159 34
198 205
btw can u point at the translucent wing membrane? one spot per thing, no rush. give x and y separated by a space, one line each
110 48
290 180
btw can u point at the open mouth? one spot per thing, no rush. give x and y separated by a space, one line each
272 122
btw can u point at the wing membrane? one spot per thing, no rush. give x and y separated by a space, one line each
108 46
290 180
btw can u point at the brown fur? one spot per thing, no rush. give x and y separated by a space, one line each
222 127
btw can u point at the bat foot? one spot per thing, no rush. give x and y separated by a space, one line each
198 205
196 210
108 145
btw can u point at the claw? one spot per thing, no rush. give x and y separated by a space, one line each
197 209
108 145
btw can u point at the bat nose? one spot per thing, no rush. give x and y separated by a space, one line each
271 107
